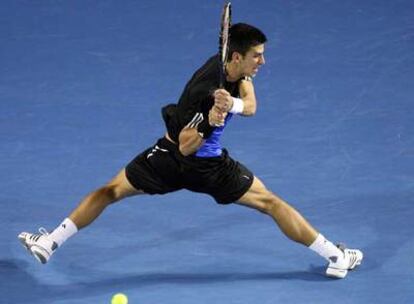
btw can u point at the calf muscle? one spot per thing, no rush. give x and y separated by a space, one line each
94 203
289 220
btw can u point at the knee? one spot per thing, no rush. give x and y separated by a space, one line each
270 203
110 193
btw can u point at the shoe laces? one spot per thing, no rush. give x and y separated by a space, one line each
353 257
43 231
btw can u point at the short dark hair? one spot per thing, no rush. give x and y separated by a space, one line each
244 36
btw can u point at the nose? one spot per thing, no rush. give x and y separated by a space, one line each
262 60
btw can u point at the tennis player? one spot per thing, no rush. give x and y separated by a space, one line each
190 156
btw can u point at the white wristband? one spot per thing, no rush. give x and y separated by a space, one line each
238 106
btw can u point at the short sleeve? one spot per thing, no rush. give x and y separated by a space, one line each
194 111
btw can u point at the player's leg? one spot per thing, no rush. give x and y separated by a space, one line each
94 203
154 171
297 228
290 221
43 245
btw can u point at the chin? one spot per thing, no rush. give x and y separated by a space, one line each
251 75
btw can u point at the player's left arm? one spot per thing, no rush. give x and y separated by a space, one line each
191 139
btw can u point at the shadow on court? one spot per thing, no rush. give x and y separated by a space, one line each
23 287
16 272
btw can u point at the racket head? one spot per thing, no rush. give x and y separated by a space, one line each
224 40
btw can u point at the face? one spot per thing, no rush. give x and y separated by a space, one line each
250 63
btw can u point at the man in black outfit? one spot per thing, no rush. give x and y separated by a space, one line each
190 156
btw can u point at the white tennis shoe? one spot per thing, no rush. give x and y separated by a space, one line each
338 266
39 245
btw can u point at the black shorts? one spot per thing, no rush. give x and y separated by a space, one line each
162 169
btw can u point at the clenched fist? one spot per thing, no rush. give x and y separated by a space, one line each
223 100
216 117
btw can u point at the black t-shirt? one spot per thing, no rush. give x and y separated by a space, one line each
197 100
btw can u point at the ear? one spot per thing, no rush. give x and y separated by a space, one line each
236 57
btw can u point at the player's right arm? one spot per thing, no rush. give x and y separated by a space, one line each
246 103
248 96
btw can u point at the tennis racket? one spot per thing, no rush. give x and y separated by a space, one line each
224 40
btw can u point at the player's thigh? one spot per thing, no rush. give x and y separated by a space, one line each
122 187
257 197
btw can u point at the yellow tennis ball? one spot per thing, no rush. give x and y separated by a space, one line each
119 298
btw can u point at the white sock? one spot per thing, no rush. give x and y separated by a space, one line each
63 231
325 248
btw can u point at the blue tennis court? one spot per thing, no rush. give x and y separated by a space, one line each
81 88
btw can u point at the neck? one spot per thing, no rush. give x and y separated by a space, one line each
232 73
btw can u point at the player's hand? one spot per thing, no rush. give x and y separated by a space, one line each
223 100
216 117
